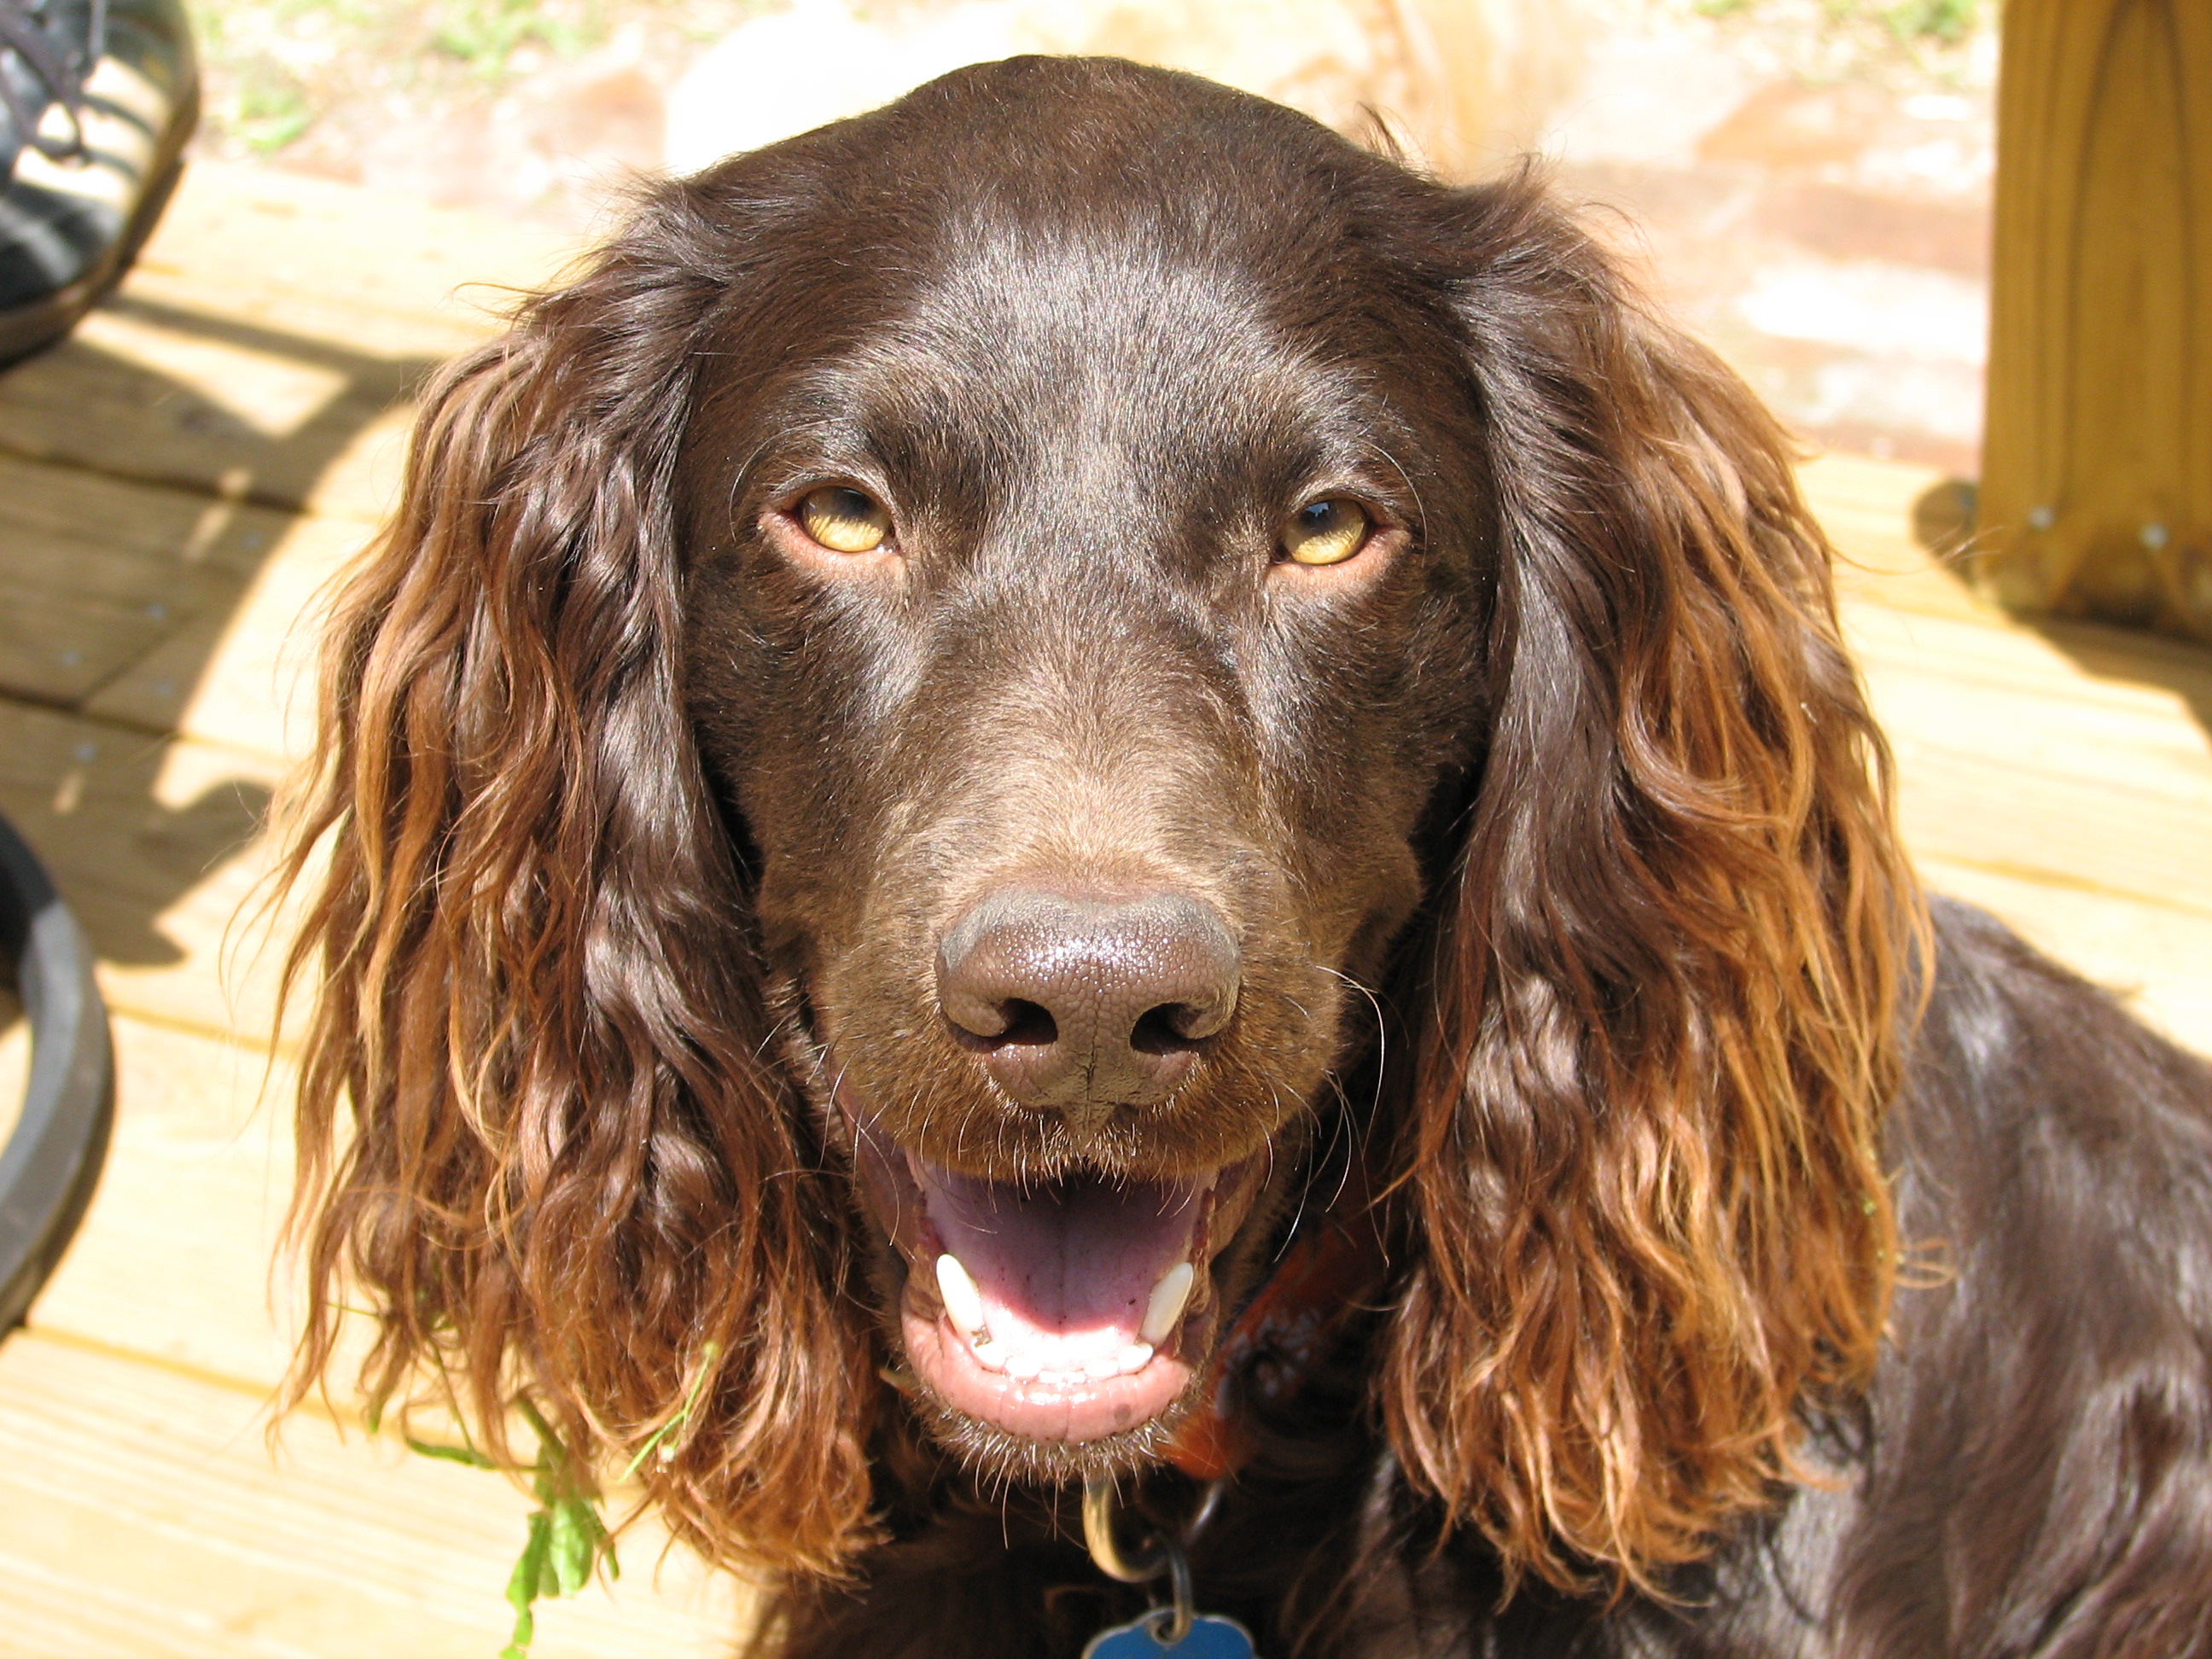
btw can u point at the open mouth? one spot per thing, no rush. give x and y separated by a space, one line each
1063 1310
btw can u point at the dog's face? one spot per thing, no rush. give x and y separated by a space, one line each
912 721
1119 605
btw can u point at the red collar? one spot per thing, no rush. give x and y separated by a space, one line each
1287 1329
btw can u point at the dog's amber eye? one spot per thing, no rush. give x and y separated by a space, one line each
844 521
1327 531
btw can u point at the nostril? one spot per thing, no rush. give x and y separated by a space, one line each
996 1025
1028 1024
1166 1029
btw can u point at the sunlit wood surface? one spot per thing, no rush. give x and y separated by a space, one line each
2058 774
175 485
2097 494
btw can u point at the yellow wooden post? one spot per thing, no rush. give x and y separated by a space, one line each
2096 495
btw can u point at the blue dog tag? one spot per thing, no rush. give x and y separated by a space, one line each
1208 1637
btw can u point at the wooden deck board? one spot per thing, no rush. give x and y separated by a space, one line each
2158 958
141 1511
271 325
153 841
2010 754
2059 775
171 1262
178 484
99 571
242 678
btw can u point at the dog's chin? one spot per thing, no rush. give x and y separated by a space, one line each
1059 1326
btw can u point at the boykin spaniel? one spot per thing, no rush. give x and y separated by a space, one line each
1070 808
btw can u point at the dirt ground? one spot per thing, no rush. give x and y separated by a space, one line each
1805 182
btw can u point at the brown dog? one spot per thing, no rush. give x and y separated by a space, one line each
1070 781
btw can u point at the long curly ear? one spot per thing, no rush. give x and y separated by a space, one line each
536 1138
1643 1163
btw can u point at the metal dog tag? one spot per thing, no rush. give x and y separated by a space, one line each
1210 1637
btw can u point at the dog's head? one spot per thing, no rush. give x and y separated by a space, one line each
918 720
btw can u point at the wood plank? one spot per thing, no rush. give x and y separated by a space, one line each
2010 756
201 1158
1866 505
2097 491
15 1063
97 572
143 1513
161 607
2044 711
242 676
166 395
383 272
2158 958
2117 653
263 345
2058 774
153 844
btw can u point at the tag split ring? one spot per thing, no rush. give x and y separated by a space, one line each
1161 1555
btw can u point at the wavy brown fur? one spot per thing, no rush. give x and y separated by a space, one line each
537 1134
1645 1159
1552 832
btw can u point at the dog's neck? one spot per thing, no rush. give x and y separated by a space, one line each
1325 1276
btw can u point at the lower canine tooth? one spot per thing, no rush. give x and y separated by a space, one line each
1135 1356
1169 1297
963 1301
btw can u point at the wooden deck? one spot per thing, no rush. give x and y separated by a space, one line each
174 485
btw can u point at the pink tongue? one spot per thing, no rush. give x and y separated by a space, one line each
1065 1270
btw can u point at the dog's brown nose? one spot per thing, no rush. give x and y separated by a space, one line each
1079 1003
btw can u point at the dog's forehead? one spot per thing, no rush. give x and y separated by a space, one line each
1117 327
1124 288
1133 342
1075 263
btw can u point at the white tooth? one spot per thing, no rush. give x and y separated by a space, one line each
1169 1297
962 1299
1024 1367
1135 1356
1106 1365
989 1355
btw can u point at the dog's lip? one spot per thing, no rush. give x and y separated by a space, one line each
1072 1411
1069 1364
